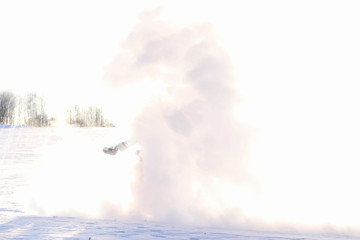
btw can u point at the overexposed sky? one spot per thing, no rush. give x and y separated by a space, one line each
62 49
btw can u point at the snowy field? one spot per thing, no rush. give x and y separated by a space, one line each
33 209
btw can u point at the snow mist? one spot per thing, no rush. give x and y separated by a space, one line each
210 156
212 159
192 147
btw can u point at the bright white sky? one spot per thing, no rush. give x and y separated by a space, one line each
297 64
61 48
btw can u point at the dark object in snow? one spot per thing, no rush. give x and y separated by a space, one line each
110 150
114 149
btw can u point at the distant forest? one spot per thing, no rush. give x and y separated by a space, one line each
30 110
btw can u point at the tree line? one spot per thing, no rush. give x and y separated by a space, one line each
30 110
87 117
25 111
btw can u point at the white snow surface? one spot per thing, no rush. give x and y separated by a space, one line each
43 195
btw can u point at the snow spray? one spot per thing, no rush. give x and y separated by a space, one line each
210 156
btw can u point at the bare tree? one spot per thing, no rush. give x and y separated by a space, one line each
89 117
7 107
35 112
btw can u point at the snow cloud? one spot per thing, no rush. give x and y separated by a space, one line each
201 165
191 144
245 111
214 156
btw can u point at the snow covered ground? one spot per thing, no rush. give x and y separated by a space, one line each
36 173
